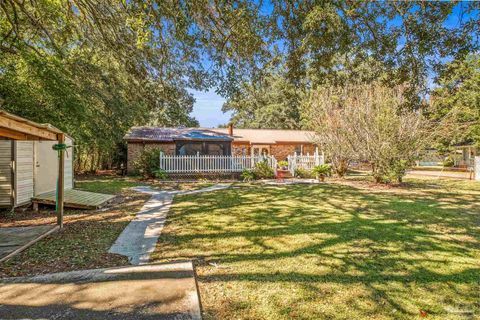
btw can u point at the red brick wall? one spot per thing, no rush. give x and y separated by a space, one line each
240 149
279 151
136 148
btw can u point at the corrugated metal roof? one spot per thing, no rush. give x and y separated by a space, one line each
159 134
255 136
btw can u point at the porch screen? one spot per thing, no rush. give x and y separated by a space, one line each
213 148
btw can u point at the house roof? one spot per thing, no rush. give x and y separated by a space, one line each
270 136
253 136
158 134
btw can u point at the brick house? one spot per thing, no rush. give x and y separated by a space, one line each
219 141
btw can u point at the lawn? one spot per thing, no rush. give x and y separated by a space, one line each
344 250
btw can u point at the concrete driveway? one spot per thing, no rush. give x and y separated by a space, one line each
156 291
441 174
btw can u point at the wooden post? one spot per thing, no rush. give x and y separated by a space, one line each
61 181
476 165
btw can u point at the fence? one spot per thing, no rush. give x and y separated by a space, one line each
304 162
212 164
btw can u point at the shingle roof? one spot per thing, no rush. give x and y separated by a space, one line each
270 136
255 136
171 134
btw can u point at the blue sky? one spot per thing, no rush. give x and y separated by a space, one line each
208 109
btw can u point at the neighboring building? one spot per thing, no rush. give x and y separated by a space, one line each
219 141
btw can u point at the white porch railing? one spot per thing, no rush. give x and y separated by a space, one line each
304 162
212 164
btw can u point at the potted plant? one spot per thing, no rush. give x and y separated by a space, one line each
322 171
283 164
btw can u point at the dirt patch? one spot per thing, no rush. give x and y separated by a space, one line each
82 244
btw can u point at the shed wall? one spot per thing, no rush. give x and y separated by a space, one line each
5 173
23 171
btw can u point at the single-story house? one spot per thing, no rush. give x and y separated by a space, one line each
219 141
28 164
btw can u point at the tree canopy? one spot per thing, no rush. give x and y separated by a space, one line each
95 68
459 93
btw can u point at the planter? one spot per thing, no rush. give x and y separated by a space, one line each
282 174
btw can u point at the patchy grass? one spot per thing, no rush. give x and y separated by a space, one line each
87 235
115 184
82 244
343 250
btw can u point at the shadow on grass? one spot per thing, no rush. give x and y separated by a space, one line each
373 239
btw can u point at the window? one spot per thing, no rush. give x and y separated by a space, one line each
299 149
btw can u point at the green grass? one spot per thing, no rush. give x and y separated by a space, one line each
115 184
332 251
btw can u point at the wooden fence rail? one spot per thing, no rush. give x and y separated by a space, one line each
211 164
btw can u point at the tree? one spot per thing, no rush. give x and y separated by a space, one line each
95 68
459 94
366 122
330 43
273 103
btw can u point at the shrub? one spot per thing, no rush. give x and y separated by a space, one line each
448 162
148 163
160 174
322 170
247 175
304 174
283 164
263 170
393 171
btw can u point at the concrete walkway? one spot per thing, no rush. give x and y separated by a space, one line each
157 291
139 238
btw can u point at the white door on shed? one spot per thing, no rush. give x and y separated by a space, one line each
46 166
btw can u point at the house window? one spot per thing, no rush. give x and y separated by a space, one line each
299 149
192 148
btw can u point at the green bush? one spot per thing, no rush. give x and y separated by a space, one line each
304 174
322 170
148 163
448 162
247 175
160 174
263 171
394 171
